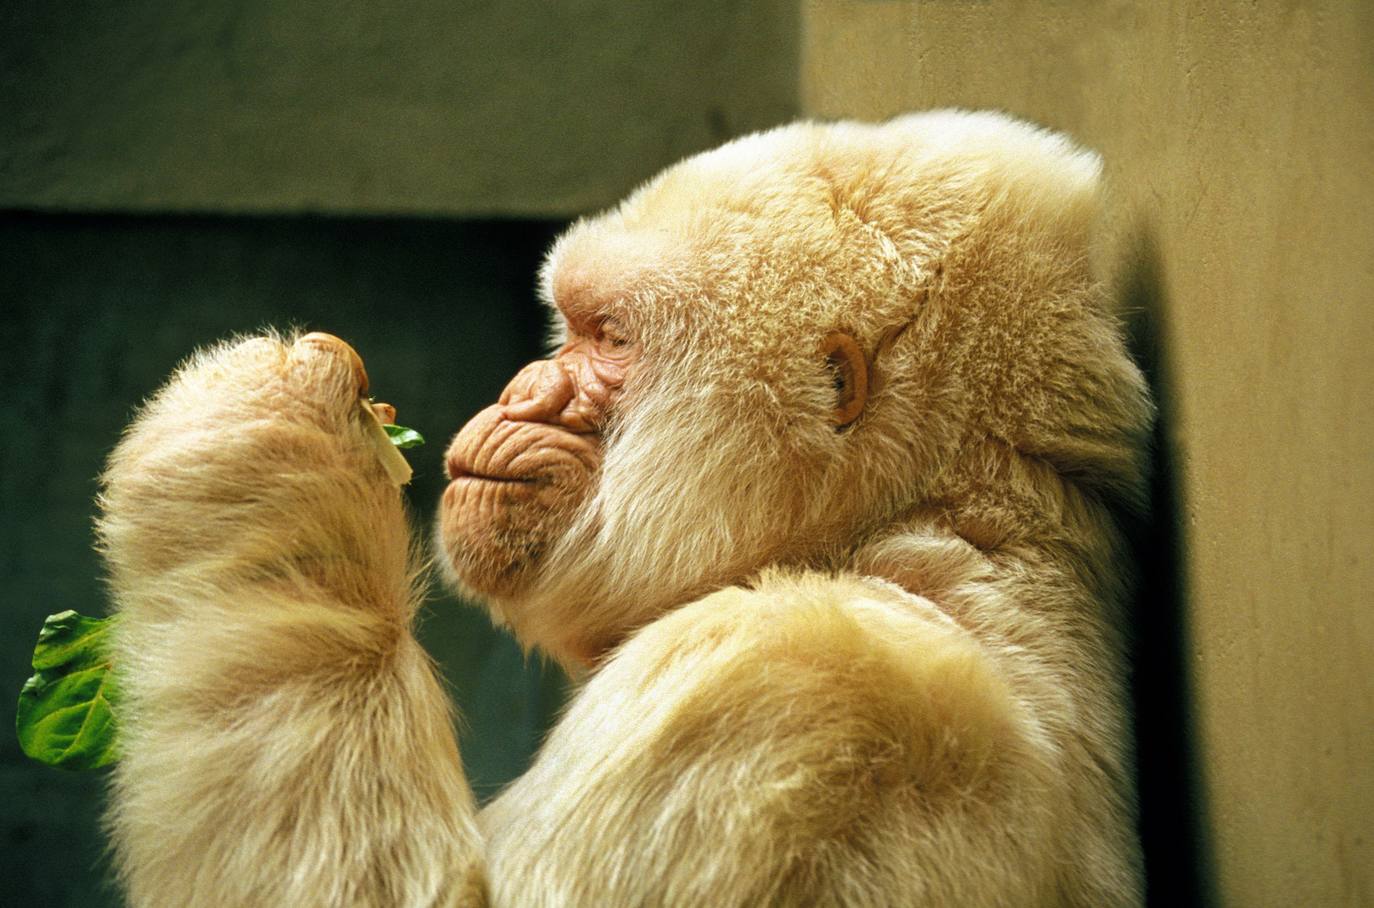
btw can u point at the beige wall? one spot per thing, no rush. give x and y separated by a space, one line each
1239 142
541 108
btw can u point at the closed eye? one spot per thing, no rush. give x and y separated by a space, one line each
611 333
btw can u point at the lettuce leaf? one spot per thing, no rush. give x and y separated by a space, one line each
402 437
66 710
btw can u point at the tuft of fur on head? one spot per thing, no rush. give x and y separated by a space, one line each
952 246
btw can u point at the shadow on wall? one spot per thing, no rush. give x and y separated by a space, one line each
1173 812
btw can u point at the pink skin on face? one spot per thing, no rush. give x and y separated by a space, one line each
520 468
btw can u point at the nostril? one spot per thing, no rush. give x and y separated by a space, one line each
539 393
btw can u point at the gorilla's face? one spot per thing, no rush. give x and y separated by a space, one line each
693 425
521 468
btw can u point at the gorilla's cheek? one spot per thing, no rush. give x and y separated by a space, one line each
515 487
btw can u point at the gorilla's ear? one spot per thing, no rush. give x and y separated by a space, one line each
850 373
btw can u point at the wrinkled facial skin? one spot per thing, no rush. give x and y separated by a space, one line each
521 468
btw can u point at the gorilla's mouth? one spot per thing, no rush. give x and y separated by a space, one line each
458 474
492 449
513 489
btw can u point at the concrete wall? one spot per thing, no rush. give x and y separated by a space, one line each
1239 142
539 108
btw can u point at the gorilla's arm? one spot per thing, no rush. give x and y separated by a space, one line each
284 738
810 740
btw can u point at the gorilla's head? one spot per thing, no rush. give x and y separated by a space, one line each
774 351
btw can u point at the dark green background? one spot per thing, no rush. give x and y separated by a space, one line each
98 310
206 168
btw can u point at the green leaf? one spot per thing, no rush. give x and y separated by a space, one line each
66 710
402 437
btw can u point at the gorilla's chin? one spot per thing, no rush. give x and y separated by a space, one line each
492 535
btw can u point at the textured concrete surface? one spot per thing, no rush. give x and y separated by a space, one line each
544 108
1239 142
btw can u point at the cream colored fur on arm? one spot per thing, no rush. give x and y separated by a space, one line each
284 738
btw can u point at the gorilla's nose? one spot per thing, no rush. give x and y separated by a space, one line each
539 392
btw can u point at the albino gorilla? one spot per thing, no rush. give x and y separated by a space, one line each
814 497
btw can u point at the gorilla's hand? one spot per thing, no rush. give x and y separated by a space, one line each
285 740
260 460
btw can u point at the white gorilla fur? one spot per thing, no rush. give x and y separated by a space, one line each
872 666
